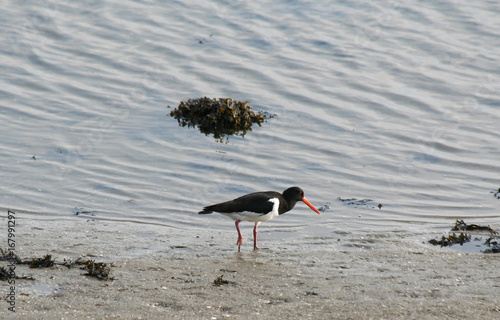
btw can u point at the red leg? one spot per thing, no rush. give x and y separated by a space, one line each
240 237
255 236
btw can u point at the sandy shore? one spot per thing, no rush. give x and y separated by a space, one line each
379 276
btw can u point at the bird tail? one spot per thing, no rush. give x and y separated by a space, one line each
205 211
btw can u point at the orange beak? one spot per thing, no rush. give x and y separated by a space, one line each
310 205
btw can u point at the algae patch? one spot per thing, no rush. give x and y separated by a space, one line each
221 117
491 245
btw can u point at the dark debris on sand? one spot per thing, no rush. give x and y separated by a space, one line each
448 241
7 274
45 262
219 281
460 225
99 270
492 243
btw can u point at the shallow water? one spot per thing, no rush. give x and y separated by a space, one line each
393 102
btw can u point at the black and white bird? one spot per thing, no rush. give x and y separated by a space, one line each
258 207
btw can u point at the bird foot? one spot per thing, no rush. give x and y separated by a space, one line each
238 243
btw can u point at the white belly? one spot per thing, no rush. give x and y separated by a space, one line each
255 217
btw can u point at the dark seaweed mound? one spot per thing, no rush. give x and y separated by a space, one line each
220 117
492 244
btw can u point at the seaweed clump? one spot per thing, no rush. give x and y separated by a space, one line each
451 240
45 262
99 270
461 225
221 117
492 243
7 274
219 281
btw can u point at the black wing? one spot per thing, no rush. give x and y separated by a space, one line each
257 202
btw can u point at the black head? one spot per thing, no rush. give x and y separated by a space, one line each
293 194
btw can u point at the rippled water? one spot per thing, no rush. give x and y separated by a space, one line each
394 102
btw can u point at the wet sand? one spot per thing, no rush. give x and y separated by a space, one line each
378 276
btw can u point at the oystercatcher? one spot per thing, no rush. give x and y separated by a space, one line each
258 207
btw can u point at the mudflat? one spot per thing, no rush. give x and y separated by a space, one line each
201 276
